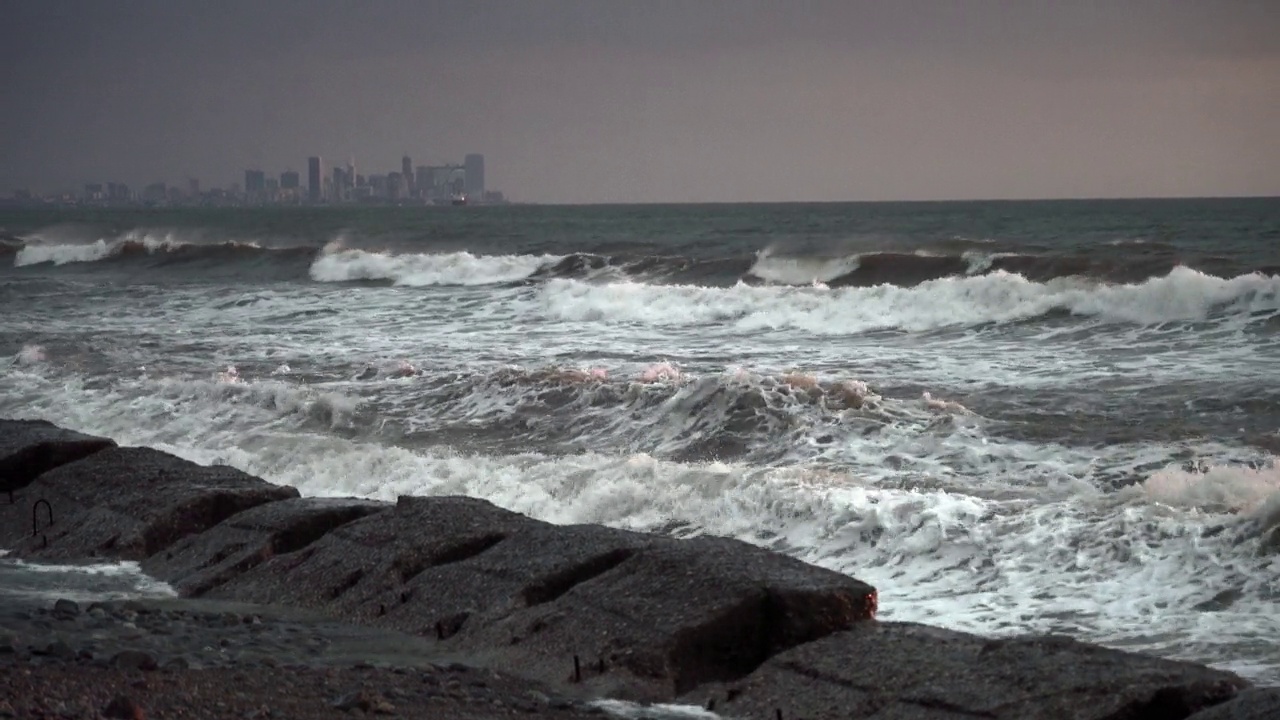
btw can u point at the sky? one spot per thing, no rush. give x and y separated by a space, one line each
584 101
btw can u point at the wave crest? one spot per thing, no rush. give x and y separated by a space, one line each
1182 295
137 244
336 264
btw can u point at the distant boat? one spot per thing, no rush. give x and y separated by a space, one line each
458 199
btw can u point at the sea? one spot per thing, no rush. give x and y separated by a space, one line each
1010 417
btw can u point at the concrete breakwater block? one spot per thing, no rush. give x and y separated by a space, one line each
1251 704
904 670
130 503
590 610
198 563
648 617
31 447
675 614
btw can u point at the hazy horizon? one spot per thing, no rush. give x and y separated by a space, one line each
608 102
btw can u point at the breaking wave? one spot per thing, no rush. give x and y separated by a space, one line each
165 248
416 270
1000 297
415 261
901 268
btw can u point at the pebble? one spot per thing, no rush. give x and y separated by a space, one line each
134 660
122 706
66 607
60 649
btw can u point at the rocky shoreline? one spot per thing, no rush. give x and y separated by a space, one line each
453 607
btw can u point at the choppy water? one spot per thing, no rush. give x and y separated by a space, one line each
1008 417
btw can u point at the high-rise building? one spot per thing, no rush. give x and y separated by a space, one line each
315 179
406 173
473 165
340 184
289 180
254 181
155 192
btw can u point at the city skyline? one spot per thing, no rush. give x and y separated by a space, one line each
340 183
722 100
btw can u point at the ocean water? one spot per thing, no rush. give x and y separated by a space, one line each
1009 417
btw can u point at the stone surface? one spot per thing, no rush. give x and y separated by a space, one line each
122 706
69 608
524 596
199 563
31 447
1250 704
129 503
134 660
901 670
344 569
675 614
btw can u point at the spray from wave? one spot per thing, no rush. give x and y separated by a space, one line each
36 251
1182 295
339 264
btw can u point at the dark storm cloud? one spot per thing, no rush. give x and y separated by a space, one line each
656 100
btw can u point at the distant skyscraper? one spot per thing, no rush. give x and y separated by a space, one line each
289 180
473 165
254 181
315 179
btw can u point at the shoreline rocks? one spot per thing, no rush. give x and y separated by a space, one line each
588 611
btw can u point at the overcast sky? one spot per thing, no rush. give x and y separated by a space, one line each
655 100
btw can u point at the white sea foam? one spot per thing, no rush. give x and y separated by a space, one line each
82 583
35 253
30 354
1216 488
1184 294
61 251
336 264
660 711
979 262
970 533
801 270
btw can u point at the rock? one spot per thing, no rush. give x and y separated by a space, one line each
365 701
198 563
123 707
674 615
1250 704
176 663
663 615
904 670
31 447
66 608
134 660
60 650
130 503
342 569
